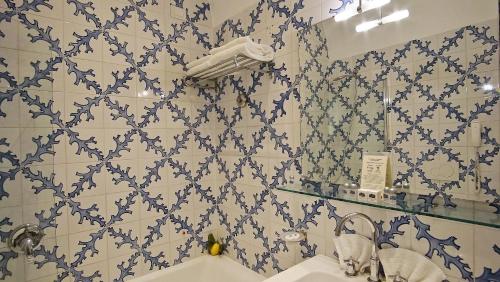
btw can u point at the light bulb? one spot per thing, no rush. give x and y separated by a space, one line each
396 16
367 25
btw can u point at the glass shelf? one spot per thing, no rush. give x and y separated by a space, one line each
465 211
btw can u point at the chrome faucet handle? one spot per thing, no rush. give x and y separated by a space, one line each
397 277
352 267
374 259
24 239
374 269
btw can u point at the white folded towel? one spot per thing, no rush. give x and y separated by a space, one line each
353 246
264 49
237 41
197 62
252 50
410 265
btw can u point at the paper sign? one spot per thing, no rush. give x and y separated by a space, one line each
375 173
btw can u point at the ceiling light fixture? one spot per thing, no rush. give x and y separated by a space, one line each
345 15
365 26
394 17
350 12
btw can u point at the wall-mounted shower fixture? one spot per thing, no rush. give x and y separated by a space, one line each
24 239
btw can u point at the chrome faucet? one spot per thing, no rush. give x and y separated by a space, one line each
24 239
374 259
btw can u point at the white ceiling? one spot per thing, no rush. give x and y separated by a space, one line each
225 9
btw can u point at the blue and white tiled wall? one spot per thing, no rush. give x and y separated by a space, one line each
127 168
436 85
342 111
262 143
102 143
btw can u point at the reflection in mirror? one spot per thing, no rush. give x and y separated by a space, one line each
415 86
343 116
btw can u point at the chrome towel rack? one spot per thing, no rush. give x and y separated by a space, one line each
207 78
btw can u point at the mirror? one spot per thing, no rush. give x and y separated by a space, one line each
343 115
412 77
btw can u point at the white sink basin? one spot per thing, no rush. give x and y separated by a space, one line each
317 269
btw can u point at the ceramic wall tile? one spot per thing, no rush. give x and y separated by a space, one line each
146 166
430 111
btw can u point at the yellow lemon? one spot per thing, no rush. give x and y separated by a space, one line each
215 249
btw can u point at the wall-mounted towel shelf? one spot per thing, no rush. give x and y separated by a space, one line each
208 78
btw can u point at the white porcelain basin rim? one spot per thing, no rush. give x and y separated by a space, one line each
316 269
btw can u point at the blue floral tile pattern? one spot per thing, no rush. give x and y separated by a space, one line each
341 122
127 168
342 111
121 136
262 151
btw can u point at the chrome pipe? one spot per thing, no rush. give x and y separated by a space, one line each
224 66
229 69
386 102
